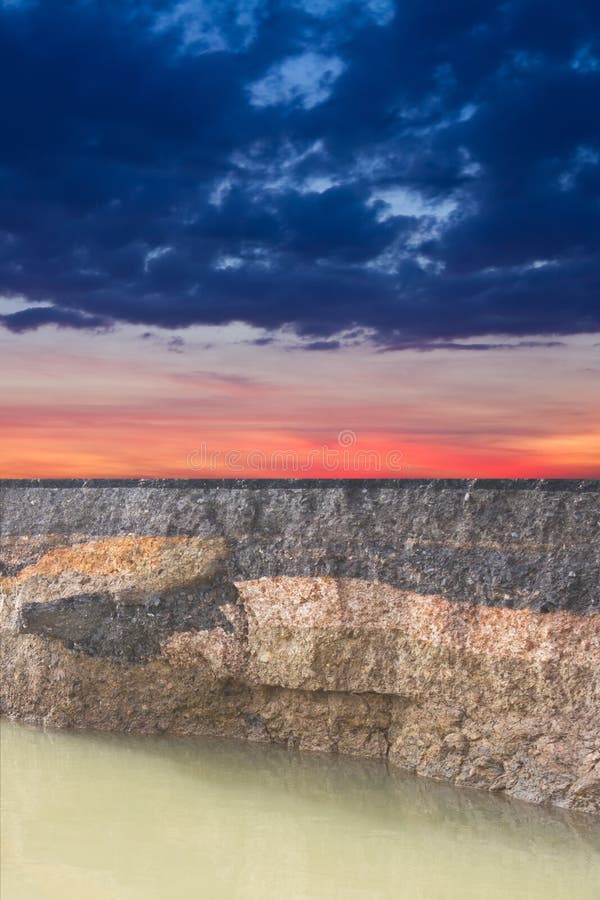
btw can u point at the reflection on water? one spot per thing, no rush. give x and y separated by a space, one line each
98 817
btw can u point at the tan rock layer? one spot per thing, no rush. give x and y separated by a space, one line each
126 566
506 700
297 603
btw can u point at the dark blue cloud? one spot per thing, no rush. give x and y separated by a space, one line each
322 345
36 317
421 171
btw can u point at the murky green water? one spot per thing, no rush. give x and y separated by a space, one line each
98 817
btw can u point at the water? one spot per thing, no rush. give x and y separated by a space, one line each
98 817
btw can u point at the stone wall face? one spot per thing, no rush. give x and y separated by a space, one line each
448 627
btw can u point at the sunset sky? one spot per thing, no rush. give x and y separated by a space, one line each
322 238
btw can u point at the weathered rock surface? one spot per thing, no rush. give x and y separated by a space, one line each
450 628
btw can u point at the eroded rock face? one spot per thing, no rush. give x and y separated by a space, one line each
158 633
120 597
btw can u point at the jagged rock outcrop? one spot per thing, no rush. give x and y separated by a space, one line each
450 628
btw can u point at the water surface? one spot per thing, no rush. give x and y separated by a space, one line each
120 817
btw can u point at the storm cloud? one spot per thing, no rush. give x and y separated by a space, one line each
420 171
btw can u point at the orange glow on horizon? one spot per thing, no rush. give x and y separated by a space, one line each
110 408
169 449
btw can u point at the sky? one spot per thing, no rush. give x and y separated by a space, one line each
323 238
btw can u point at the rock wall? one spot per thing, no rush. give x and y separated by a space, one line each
449 627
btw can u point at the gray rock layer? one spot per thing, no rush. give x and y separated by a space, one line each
513 543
